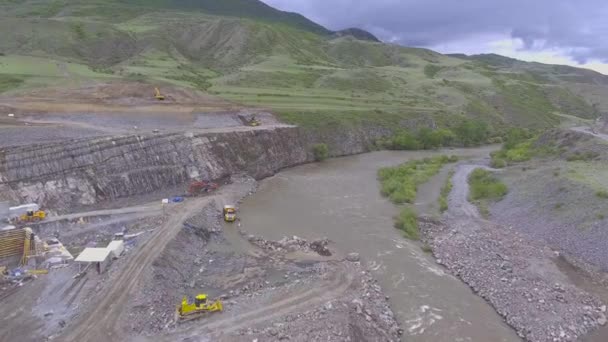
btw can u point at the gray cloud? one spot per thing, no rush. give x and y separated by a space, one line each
577 27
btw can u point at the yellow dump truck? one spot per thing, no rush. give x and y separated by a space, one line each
229 213
189 311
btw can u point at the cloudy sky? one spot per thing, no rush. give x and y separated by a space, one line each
573 32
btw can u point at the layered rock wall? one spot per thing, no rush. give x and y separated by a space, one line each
88 171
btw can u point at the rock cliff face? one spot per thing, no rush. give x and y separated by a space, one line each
88 171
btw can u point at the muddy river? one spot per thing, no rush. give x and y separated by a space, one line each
340 199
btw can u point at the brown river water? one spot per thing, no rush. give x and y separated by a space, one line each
340 199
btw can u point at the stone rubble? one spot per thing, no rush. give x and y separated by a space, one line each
517 276
292 244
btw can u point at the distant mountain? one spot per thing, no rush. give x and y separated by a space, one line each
569 73
248 52
357 33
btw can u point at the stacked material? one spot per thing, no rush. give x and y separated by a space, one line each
12 242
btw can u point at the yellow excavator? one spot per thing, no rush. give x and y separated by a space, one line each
158 95
201 307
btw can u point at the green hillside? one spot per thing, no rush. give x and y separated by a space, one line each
250 53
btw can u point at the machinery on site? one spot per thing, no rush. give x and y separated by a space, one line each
26 213
201 307
31 216
198 187
253 122
229 213
158 95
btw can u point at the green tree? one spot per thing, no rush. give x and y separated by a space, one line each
428 138
404 141
472 132
320 151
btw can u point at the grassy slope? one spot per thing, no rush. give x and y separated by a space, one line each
263 57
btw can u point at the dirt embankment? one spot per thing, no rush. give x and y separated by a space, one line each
558 199
520 277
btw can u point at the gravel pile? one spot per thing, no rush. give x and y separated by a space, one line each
292 244
517 276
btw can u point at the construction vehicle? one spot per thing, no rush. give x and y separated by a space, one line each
229 213
198 187
33 215
253 122
201 307
158 95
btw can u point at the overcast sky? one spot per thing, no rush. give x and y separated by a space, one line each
573 32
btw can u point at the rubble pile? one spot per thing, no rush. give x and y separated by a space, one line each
292 244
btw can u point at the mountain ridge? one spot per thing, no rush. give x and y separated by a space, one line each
299 72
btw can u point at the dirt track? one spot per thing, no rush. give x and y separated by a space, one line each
587 130
276 308
101 323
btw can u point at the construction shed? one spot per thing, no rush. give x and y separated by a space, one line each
99 257
116 247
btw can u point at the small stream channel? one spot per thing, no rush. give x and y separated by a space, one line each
340 199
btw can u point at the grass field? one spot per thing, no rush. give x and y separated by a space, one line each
282 62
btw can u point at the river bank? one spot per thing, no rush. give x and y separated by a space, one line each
340 199
521 278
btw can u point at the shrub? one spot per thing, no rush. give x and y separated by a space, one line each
484 186
582 156
445 192
515 136
472 132
404 141
407 221
431 70
400 183
320 151
426 248
498 163
602 194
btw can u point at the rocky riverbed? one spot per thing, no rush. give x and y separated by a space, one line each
518 276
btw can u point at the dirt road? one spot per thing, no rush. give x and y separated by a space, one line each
100 323
148 208
272 308
587 130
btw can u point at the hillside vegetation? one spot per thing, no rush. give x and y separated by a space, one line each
250 53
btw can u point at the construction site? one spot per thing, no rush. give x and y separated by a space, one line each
129 229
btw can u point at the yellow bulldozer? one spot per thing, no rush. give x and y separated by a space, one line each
201 307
